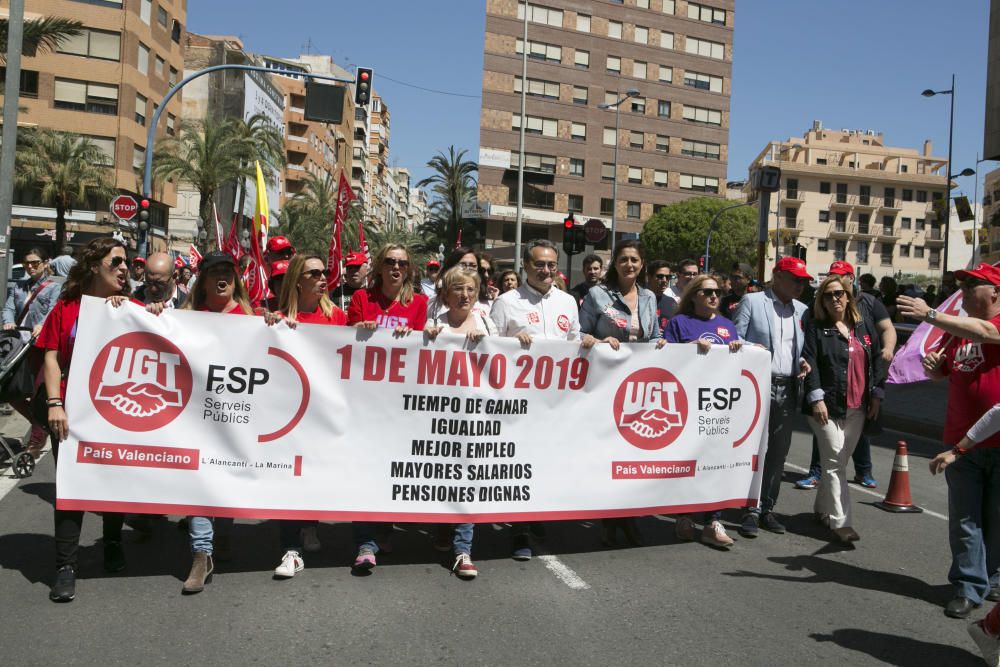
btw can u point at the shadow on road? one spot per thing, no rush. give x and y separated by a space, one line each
902 651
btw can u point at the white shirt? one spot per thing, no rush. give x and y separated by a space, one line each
783 323
673 292
427 287
552 315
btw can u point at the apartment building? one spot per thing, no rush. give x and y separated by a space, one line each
672 139
990 218
105 84
379 190
846 195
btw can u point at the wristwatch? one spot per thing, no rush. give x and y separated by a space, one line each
958 451
931 315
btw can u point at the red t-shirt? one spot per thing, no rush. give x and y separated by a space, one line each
59 333
371 305
237 309
856 380
973 371
337 317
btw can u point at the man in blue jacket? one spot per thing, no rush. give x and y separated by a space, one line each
773 319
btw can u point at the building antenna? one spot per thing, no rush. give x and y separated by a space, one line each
308 46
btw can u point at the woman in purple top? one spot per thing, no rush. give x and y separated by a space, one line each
698 321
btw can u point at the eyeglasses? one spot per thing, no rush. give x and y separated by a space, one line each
469 266
972 283
835 295
116 261
710 292
314 274
662 276
393 262
542 266
32 263
689 274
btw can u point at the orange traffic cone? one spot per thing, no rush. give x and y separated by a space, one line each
897 498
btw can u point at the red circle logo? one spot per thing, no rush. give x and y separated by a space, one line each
140 382
650 408
563 323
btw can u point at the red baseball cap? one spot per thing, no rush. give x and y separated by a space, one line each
138 260
841 268
355 259
794 266
986 272
279 268
279 243
433 264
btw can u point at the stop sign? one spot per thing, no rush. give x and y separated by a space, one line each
595 231
124 207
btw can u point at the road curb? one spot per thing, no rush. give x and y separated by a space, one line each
913 426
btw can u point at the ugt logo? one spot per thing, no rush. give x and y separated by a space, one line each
140 382
650 408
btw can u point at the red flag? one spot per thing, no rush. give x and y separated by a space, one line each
232 243
254 277
195 257
345 195
458 241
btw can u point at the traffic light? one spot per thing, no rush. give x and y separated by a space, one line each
701 263
144 214
363 86
569 225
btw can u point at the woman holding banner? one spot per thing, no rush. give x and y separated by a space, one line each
101 271
460 289
621 310
217 289
465 258
303 298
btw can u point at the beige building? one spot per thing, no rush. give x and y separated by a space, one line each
673 137
104 84
990 218
846 195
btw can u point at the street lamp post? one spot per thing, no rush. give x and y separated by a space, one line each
630 93
947 203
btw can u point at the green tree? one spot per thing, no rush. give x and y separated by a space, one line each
263 142
69 170
307 218
42 34
452 185
678 231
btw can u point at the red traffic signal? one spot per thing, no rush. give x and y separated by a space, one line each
569 222
144 203
363 86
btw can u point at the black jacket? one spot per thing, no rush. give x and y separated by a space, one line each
826 352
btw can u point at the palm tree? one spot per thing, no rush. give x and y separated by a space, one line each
307 218
68 169
41 34
453 186
265 143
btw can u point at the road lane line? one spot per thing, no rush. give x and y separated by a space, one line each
862 489
564 573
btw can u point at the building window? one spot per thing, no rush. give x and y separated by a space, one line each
790 217
821 161
579 94
614 64
638 105
907 194
160 63
610 98
583 23
578 131
666 74
703 81
663 109
633 210
659 178
635 139
822 245
666 40
903 168
143 59
540 50
642 4
841 218
614 30
171 122
582 59
545 126
840 250
662 143
607 171
890 197
701 115
542 164
161 16
138 157
886 254
85 96
29 82
704 47
93 44
701 149
824 187
635 175
906 223
824 216
641 34
539 88
607 206
576 166
922 196
904 250
639 70
841 193
175 31
146 10
539 14
575 203
609 137
172 79
140 109
699 183
920 224
668 6
706 14
918 252
792 188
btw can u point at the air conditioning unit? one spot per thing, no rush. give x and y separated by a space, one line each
870 133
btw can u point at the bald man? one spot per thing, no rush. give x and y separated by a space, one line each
160 286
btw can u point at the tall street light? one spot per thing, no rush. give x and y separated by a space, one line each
947 195
630 93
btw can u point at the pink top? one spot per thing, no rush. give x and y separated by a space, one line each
855 374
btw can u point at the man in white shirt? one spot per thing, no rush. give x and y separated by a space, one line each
687 271
536 309
428 286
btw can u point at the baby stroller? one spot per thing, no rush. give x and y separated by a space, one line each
16 383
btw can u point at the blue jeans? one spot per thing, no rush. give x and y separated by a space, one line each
462 540
202 532
974 522
862 458
367 532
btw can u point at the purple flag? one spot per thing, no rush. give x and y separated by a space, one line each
906 366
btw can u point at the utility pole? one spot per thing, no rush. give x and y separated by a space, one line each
8 151
520 162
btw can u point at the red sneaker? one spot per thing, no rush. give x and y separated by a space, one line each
464 567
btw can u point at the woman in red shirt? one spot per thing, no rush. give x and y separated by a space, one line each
218 289
303 298
101 271
391 303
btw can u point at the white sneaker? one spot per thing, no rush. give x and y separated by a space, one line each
715 535
291 563
310 540
988 645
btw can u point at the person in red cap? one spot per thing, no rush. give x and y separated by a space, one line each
773 319
971 362
138 274
355 278
276 277
278 248
428 286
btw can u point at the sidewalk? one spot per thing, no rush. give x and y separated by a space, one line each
917 408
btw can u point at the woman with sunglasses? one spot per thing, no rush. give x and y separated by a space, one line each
698 321
465 258
217 289
843 388
101 271
621 310
390 303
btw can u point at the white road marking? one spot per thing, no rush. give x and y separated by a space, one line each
563 572
870 492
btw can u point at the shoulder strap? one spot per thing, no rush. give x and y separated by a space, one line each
24 309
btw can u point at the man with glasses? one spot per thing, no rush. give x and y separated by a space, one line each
659 282
161 284
138 273
536 310
971 362
739 279
593 271
773 319
687 271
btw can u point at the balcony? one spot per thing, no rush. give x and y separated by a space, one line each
793 226
934 237
299 110
842 201
867 202
887 233
865 230
842 230
793 197
295 137
295 167
891 204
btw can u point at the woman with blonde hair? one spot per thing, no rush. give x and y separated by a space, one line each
392 301
843 388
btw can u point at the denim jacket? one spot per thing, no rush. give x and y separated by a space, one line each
604 313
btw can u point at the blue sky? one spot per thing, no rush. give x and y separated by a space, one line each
858 64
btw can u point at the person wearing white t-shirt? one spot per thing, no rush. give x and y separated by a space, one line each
687 271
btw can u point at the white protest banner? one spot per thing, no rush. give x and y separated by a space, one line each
220 415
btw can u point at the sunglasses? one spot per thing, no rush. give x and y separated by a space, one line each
662 276
32 263
972 283
393 262
469 266
710 292
314 274
689 274
835 295
117 261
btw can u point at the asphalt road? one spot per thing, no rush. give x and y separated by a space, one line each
776 600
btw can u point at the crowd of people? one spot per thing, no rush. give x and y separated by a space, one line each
830 348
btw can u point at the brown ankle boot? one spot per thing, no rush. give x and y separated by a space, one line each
201 573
